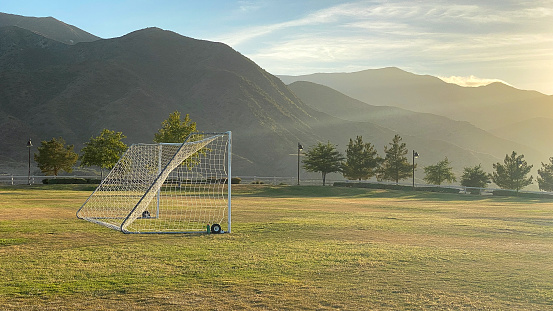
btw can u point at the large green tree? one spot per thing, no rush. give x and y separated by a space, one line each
324 158
545 178
362 160
104 150
175 130
440 172
475 177
54 156
512 173
395 166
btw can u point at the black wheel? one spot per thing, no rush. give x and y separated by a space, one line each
215 228
145 214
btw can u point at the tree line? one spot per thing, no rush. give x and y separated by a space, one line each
105 149
362 162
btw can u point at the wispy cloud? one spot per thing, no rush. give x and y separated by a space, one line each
248 6
250 33
470 81
442 38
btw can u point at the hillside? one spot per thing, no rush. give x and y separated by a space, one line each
132 83
48 27
493 106
462 142
533 132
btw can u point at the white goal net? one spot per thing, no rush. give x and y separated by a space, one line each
167 188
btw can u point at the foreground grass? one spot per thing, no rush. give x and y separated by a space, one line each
295 248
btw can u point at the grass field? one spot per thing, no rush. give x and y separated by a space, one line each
292 248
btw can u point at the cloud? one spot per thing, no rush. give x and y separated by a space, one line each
248 6
470 81
477 38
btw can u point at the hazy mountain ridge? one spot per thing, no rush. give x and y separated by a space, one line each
48 27
461 141
491 106
534 132
499 109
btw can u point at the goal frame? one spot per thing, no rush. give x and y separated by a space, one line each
154 186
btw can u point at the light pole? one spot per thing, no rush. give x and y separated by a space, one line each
415 155
300 148
29 145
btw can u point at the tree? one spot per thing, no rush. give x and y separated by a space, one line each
104 150
362 160
395 166
437 174
512 174
545 178
53 156
174 130
323 158
475 177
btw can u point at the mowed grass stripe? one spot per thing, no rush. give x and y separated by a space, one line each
292 248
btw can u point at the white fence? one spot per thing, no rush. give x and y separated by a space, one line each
18 180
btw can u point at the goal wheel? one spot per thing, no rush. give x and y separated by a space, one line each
215 228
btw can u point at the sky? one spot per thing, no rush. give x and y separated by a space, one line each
470 43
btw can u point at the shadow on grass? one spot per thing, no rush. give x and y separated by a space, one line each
330 191
310 191
65 187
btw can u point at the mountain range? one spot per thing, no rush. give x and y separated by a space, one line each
463 143
132 83
53 84
496 107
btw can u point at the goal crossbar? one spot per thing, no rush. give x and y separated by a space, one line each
166 188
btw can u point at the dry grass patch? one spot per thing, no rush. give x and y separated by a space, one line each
292 248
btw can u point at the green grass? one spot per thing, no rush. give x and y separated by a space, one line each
292 248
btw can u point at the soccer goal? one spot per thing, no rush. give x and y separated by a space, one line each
167 188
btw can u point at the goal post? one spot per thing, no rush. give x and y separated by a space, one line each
167 188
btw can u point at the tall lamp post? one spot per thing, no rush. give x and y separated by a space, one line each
300 148
415 156
29 145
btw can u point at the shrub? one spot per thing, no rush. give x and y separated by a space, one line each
437 189
58 181
54 181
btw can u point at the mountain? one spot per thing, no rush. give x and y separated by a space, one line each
48 27
49 88
463 143
132 83
533 132
492 106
